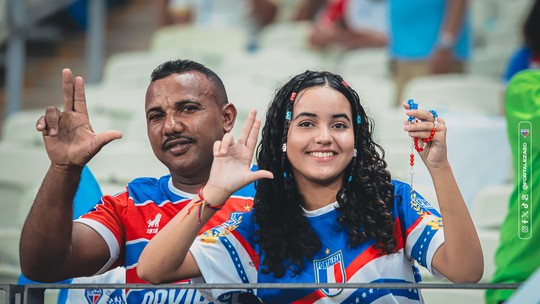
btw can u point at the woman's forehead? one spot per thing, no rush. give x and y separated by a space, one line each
322 99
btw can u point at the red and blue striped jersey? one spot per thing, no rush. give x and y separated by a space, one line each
128 220
229 254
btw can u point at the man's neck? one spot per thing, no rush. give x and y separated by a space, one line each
189 185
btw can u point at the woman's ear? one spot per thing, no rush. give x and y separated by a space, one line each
229 113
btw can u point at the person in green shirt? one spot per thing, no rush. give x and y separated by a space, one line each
518 255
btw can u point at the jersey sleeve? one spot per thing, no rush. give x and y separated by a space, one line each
422 227
224 255
105 219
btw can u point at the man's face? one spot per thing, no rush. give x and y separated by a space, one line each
183 122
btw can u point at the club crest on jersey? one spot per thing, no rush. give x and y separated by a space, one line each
330 270
153 225
93 295
212 234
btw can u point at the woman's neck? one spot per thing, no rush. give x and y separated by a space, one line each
315 195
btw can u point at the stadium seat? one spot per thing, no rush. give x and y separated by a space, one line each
19 129
119 163
292 34
225 40
489 239
20 169
373 62
490 206
457 93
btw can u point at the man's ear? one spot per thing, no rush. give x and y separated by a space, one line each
229 116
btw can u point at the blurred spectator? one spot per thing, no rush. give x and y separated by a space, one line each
78 11
528 56
350 24
216 12
428 37
88 193
518 254
252 15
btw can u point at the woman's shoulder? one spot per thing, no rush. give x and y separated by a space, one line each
400 187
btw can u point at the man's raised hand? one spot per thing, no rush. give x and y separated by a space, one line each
68 136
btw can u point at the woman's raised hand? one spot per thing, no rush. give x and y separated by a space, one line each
434 151
231 169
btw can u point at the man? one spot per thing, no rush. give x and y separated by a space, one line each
187 110
517 256
428 37
350 24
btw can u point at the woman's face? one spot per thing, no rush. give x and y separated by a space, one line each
320 142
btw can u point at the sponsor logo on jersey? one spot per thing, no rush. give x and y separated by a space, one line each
116 297
525 132
93 295
330 270
169 296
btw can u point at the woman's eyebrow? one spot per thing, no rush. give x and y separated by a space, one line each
309 114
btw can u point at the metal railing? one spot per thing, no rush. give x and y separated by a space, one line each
35 293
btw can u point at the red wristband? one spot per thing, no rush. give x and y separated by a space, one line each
201 196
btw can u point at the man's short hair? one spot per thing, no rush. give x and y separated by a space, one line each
180 66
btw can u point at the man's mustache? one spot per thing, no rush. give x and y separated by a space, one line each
177 139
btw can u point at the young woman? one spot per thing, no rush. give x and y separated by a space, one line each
326 209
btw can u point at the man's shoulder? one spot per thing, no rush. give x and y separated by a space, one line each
143 189
247 191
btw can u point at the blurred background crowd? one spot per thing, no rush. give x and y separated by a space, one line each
456 56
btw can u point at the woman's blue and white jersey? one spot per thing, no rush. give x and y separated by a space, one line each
229 254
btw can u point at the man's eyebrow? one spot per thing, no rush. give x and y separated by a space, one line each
154 109
177 104
182 102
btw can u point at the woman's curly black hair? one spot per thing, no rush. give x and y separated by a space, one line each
365 199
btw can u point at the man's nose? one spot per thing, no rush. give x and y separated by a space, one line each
173 124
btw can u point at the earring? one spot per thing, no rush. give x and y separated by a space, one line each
355 152
284 148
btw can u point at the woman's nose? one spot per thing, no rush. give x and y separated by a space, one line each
324 136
